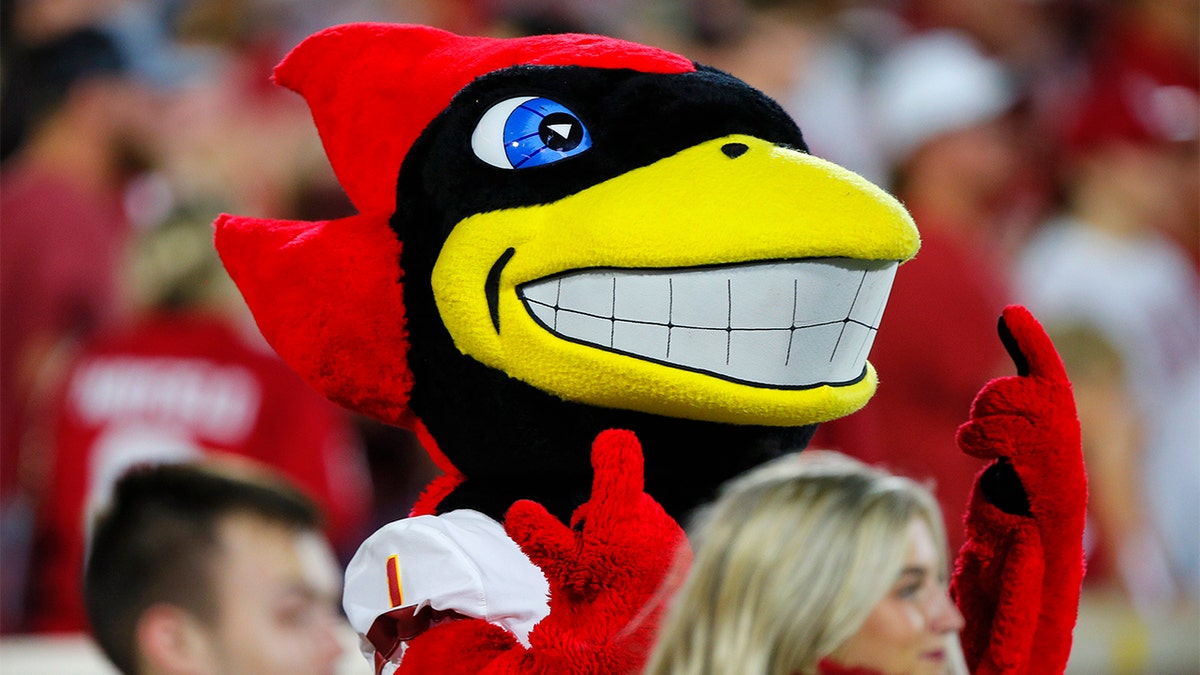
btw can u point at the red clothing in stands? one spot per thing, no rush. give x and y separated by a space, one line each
172 389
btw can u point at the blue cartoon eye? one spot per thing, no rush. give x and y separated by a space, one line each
528 131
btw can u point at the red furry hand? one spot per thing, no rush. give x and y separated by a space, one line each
603 571
1018 576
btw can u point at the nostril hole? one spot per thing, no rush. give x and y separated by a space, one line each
734 150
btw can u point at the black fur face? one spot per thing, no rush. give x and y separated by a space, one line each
511 440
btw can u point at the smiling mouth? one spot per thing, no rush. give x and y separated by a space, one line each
784 325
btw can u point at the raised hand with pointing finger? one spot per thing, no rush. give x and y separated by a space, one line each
1018 576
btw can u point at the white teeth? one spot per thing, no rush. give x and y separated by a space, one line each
780 324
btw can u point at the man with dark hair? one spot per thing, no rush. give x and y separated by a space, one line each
212 569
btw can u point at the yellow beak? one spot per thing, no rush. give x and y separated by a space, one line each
736 281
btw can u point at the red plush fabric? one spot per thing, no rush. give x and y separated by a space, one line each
374 87
466 647
604 573
1018 576
287 272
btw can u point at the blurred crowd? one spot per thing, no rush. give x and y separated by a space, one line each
1046 148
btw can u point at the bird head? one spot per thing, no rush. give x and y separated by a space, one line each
561 234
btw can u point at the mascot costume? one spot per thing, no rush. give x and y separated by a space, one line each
598 280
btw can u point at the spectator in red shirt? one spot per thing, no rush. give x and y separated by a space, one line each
189 379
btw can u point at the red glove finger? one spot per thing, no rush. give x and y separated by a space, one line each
1021 395
1029 346
995 436
549 544
618 479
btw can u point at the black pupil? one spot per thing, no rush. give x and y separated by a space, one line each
551 131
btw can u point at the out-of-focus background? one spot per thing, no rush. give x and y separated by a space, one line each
1047 149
